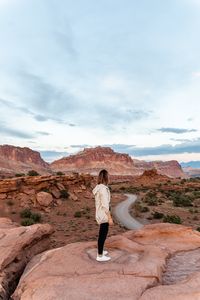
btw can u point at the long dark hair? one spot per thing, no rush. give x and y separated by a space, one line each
103 177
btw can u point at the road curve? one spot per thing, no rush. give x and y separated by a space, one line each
122 215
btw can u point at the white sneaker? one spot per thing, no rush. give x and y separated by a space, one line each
103 258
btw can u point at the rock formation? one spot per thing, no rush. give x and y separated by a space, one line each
20 160
91 160
17 246
139 260
43 191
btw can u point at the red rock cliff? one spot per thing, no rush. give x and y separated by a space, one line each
91 160
17 159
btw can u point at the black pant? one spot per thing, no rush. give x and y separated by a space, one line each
103 231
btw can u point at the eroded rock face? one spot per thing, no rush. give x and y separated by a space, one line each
134 272
91 160
17 159
17 246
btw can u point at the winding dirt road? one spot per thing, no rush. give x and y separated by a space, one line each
122 215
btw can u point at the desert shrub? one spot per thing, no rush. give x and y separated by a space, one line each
152 201
195 218
32 173
45 190
172 219
27 222
150 194
64 194
182 200
77 214
141 208
196 194
198 229
19 174
25 213
36 217
158 215
60 173
29 217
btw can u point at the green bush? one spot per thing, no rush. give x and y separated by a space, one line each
25 213
36 217
198 229
77 214
158 215
60 173
64 194
172 219
182 200
27 222
19 174
29 217
152 201
32 173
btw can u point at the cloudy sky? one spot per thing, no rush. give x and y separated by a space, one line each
125 74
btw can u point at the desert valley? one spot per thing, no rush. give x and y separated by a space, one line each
55 201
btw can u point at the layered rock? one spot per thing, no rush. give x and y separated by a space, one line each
135 271
17 246
44 191
20 160
91 160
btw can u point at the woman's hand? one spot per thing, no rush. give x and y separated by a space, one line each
110 221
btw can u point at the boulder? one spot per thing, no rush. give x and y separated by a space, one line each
56 193
17 246
73 196
44 199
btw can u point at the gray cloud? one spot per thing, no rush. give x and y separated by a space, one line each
175 130
41 118
180 140
47 99
5 130
42 133
192 146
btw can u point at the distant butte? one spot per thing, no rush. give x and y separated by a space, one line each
20 160
91 160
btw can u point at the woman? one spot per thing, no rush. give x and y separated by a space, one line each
103 216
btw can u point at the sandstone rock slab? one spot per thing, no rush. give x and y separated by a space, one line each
17 246
134 272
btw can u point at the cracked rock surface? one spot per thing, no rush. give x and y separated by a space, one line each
139 260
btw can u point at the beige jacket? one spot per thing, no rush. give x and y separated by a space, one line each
102 201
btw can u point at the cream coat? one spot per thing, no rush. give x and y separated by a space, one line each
102 201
